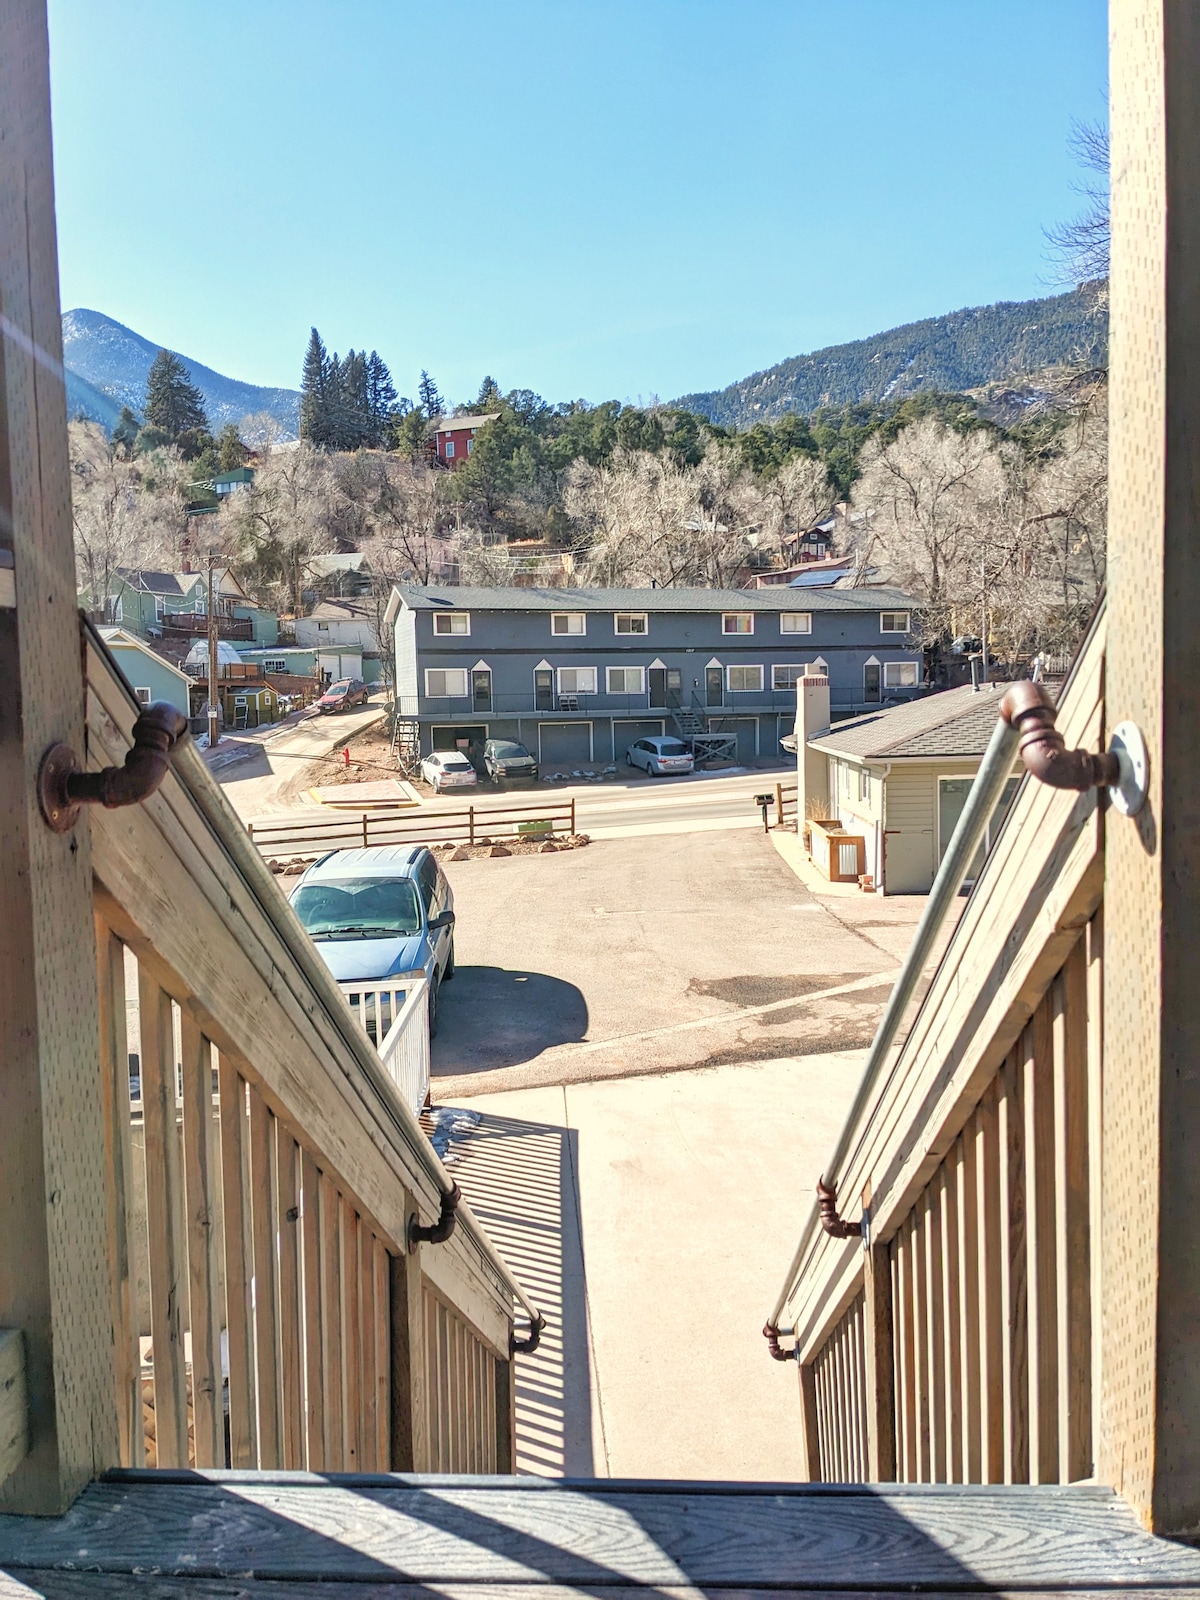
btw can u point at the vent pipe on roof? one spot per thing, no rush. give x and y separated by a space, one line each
975 673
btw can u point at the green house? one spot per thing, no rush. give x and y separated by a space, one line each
148 674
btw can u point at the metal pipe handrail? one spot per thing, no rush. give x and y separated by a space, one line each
994 771
204 792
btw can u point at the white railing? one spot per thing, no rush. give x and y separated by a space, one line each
394 1015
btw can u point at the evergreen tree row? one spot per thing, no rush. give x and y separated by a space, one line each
347 403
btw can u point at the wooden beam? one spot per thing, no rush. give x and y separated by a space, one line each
409 1431
1150 1369
810 1429
54 1255
14 1402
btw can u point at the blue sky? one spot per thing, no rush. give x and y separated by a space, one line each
591 198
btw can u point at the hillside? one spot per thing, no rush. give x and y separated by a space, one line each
962 350
110 358
85 400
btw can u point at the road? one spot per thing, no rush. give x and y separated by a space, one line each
626 808
264 781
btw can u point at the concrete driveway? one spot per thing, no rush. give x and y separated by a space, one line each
642 955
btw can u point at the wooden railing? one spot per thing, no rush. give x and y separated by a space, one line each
955 1342
471 825
267 1308
785 803
394 1015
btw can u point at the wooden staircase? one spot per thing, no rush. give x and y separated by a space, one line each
280 1536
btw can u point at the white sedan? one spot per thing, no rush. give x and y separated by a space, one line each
448 769
660 755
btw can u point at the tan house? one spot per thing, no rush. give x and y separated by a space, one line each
896 778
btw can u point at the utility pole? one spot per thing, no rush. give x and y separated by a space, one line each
214 728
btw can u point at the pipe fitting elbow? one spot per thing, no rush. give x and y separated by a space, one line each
63 788
526 1347
1028 709
436 1232
774 1349
836 1227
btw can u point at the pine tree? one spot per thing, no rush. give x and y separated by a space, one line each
173 403
314 386
381 398
431 400
125 431
231 452
489 395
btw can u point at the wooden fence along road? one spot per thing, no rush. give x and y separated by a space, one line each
470 826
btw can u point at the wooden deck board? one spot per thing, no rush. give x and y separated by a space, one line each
281 1533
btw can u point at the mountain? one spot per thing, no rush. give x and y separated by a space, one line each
959 351
110 362
84 400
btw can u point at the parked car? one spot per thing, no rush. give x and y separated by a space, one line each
448 769
660 755
505 758
343 694
380 913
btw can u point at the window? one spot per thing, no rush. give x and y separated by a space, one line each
446 683
143 695
452 622
626 680
322 627
470 445
786 677
795 622
737 622
275 664
900 675
568 622
449 449
576 680
745 680
631 622
864 784
893 621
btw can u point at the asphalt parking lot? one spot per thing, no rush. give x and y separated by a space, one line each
641 955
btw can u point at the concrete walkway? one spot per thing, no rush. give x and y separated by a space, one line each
275 761
654 1219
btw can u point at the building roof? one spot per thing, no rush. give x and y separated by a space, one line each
225 652
338 561
341 611
158 582
430 597
456 424
122 638
956 722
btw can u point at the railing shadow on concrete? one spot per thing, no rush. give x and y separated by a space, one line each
521 1179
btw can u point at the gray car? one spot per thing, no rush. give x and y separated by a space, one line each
505 758
660 756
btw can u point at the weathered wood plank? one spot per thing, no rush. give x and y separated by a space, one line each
14 1402
926 1538
266 1295
1041 1241
164 1222
243 1431
199 1171
1072 1221
810 1436
349 1224
409 1406
967 1201
119 1202
368 1380
1014 1322
879 1365
310 1260
947 1195
991 1302
331 1324
291 1366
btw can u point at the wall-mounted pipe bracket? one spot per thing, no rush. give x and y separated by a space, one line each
526 1347
437 1232
64 788
836 1227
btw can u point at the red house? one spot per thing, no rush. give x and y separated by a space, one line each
455 435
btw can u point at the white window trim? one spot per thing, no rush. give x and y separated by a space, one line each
631 634
568 633
785 666
608 672
449 449
275 664
907 615
745 666
559 683
463 694
792 632
734 633
909 665
864 781
144 695
439 633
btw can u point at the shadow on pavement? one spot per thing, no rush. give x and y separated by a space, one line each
496 1017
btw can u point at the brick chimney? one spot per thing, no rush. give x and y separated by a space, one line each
812 767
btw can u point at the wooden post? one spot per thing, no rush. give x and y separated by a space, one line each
54 1277
877 1330
409 1433
364 830
779 805
572 813
810 1423
1149 1444
471 824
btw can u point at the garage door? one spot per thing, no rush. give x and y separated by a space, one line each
564 744
744 728
624 734
458 736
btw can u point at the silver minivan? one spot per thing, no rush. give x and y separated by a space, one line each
660 755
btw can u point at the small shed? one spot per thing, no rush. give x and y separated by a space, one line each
250 703
150 676
898 778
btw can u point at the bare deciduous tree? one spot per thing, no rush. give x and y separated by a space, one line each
118 524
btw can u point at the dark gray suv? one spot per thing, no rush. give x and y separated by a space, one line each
505 758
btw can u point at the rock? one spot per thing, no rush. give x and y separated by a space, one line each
576 840
498 850
483 841
274 865
547 848
459 852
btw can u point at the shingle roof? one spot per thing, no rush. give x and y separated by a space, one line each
342 611
454 424
430 597
152 582
957 722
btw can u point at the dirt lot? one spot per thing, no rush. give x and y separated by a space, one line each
650 954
